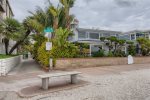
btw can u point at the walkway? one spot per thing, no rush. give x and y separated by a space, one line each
27 66
123 82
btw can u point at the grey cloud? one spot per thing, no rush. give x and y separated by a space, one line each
125 3
121 15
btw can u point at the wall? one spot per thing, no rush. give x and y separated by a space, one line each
7 64
96 62
89 62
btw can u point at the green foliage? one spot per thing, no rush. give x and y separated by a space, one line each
110 54
11 29
100 53
113 42
130 42
43 55
132 50
61 48
69 51
119 53
82 45
145 46
83 49
39 40
5 56
102 39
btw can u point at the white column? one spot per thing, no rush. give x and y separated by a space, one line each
135 36
90 50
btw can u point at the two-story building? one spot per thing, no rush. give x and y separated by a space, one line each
92 36
5 12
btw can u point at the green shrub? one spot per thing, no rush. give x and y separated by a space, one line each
131 50
61 48
39 40
83 49
110 54
43 55
119 53
100 53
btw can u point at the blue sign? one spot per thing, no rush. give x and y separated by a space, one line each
48 29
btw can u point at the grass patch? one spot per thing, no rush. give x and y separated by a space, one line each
5 56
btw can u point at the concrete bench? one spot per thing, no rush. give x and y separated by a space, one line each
45 77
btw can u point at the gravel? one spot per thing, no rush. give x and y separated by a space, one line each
133 85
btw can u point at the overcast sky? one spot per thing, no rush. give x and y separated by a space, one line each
123 15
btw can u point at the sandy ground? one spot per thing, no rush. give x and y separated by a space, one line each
126 82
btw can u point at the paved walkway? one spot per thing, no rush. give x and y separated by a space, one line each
27 66
123 82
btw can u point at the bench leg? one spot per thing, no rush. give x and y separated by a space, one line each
45 82
74 79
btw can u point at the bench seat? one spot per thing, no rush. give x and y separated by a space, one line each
58 74
45 77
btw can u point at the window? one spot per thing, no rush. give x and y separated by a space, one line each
132 36
94 36
83 35
138 35
106 34
124 37
147 36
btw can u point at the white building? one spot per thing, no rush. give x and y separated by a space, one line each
5 12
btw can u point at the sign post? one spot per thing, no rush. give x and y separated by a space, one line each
49 30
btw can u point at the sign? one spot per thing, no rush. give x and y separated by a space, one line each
48 45
48 30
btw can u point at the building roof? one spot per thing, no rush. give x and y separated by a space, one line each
97 31
137 31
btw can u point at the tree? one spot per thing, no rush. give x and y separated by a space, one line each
67 4
114 44
10 29
26 30
53 16
145 46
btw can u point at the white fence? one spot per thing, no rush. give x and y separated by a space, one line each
7 64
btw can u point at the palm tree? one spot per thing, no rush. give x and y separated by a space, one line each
9 29
53 16
67 4
25 31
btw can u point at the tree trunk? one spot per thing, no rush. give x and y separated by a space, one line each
19 42
6 42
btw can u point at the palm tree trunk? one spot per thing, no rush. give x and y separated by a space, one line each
19 42
6 42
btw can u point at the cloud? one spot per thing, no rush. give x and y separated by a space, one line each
125 3
122 15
